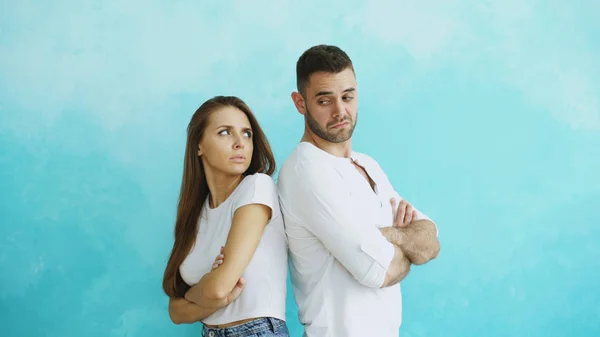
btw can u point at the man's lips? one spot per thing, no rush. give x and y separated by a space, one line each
340 125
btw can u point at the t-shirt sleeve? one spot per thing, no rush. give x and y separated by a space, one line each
259 189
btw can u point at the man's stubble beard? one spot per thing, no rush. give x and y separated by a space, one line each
338 137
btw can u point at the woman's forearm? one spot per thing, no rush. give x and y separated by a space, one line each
183 311
206 293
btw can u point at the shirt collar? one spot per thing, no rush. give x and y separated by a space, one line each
322 155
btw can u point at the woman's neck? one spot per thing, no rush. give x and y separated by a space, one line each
220 186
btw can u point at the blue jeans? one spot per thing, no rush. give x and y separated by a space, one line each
260 327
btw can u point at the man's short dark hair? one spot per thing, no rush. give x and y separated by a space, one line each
321 58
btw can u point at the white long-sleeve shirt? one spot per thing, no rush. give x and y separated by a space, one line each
339 258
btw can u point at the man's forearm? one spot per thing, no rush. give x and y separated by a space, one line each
418 240
398 268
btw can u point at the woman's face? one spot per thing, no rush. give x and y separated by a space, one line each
227 145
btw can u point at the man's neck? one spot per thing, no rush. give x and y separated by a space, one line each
341 150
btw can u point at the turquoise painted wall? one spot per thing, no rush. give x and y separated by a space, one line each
485 114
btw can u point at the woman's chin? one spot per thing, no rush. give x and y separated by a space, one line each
237 169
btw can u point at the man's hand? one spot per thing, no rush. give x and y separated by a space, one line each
405 213
417 238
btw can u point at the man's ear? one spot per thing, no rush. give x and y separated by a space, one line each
299 102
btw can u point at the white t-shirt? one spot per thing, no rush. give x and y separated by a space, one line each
266 274
339 258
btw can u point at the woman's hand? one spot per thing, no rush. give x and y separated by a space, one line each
219 259
237 290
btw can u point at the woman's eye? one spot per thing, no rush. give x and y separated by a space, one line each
224 132
248 134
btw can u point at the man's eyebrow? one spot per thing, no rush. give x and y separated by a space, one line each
322 93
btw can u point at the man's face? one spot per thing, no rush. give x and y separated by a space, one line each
330 105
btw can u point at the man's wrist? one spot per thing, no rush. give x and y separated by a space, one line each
393 235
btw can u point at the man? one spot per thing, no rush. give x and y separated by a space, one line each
350 246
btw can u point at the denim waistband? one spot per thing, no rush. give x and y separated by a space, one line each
246 329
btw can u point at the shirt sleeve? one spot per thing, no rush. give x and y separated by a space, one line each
317 198
258 189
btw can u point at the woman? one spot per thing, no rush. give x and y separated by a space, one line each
228 266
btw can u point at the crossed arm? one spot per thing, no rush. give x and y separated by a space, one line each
373 261
415 244
183 311
326 211
418 240
222 285
414 238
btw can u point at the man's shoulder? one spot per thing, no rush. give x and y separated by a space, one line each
307 180
365 159
288 168
301 166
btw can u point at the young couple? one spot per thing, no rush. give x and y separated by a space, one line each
350 235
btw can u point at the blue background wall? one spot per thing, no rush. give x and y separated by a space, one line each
486 115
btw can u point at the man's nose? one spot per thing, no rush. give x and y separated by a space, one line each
339 109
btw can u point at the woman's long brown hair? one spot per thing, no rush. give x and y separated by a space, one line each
194 188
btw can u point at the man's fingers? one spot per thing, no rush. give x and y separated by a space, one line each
393 203
409 213
401 212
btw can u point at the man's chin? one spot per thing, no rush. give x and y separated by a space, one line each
338 138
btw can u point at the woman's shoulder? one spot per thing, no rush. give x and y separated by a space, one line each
258 183
259 180
256 188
